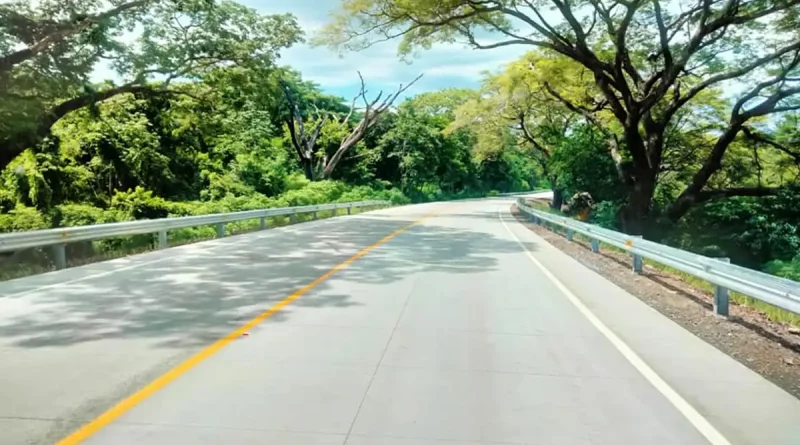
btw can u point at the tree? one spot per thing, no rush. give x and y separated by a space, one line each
50 52
515 103
315 160
649 58
430 161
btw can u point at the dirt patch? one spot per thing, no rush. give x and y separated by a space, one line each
768 348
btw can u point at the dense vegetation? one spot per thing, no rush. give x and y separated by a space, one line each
680 116
201 118
676 121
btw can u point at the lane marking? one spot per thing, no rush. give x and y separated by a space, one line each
251 236
165 379
694 417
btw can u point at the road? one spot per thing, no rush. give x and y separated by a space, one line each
459 327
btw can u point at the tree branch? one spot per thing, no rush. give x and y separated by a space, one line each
372 112
758 137
61 32
15 144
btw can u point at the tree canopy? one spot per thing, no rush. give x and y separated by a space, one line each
51 48
650 61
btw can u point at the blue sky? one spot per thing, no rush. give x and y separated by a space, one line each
443 66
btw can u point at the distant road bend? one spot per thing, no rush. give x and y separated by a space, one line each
434 324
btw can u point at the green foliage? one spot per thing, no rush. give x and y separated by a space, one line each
786 269
140 204
23 218
195 123
71 215
581 164
605 214
750 231
148 44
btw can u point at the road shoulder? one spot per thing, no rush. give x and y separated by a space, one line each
744 406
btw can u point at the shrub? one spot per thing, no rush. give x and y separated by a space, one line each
23 218
140 204
295 181
71 215
785 269
315 193
604 214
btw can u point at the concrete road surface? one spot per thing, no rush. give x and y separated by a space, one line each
466 328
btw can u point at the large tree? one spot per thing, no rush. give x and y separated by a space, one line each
649 59
50 51
429 160
515 103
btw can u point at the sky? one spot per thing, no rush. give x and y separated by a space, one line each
443 66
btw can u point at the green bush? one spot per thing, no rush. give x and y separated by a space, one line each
23 218
750 231
140 204
315 193
396 197
785 269
71 215
295 181
604 214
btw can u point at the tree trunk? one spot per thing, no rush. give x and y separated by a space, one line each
308 168
637 210
558 198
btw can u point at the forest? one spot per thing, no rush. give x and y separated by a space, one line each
678 119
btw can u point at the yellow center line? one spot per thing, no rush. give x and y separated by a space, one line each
168 377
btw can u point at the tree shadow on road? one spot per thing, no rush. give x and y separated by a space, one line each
211 289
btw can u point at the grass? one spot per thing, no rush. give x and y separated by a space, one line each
772 313
37 261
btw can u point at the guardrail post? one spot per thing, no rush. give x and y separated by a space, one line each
637 259
60 256
314 214
348 210
162 240
263 222
595 246
721 297
293 218
569 234
221 230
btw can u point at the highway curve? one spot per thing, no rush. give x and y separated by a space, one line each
435 324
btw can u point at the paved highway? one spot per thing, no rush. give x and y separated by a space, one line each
436 324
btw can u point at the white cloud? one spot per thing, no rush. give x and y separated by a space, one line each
445 65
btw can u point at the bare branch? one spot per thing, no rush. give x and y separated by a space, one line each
372 112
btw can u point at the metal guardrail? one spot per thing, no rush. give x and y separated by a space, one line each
530 192
58 238
777 291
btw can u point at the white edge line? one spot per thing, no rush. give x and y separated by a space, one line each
687 410
252 236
